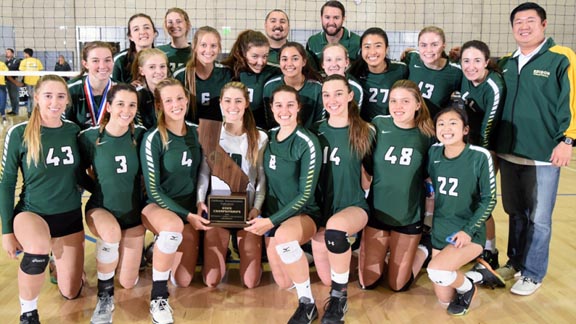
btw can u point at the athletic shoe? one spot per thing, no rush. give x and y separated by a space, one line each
461 303
305 313
334 310
161 311
490 278
104 310
525 286
507 272
30 317
491 258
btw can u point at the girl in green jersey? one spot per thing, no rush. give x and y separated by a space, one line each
292 166
177 24
396 197
335 61
48 214
465 195
110 153
150 67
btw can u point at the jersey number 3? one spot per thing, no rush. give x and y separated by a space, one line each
51 159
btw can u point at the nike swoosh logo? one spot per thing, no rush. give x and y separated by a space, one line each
417 66
102 143
506 70
321 133
436 162
386 132
310 315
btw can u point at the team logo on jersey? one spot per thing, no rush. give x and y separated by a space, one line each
272 163
541 73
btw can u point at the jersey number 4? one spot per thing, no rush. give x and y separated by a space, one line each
453 182
405 155
51 159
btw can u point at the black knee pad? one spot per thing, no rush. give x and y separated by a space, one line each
336 241
406 286
34 264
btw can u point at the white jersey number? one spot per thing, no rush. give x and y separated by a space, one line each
426 89
51 159
454 184
333 157
374 96
121 159
185 160
405 156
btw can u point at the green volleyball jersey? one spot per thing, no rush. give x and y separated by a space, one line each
78 110
340 184
398 166
48 188
357 89
120 72
274 57
484 106
146 115
171 174
316 43
255 84
292 169
436 86
465 193
177 57
377 89
312 109
207 92
116 165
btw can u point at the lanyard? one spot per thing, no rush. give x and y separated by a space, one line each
96 115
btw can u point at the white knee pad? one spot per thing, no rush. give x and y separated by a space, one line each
106 252
289 252
168 242
442 277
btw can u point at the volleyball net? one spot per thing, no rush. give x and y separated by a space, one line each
61 27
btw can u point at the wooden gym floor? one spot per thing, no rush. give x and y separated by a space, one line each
231 303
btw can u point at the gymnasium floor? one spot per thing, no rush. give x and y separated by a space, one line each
231 303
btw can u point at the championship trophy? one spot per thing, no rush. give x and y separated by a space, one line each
225 209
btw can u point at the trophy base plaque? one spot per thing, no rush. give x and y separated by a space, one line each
228 210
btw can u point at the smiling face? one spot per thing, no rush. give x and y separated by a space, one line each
257 58
431 46
233 104
285 108
277 26
141 32
291 62
403 106
154 69
474 65
174 102
336 96
374 52
528 29
332 21
51 98
207 48
99 63
123 108
176 25
335 60
450 129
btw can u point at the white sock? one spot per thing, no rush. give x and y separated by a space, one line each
424 250
303 290
466 286
475 276
341 278
105 276
160 276
490 245
28 305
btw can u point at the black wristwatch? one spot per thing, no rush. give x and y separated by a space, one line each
568 140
